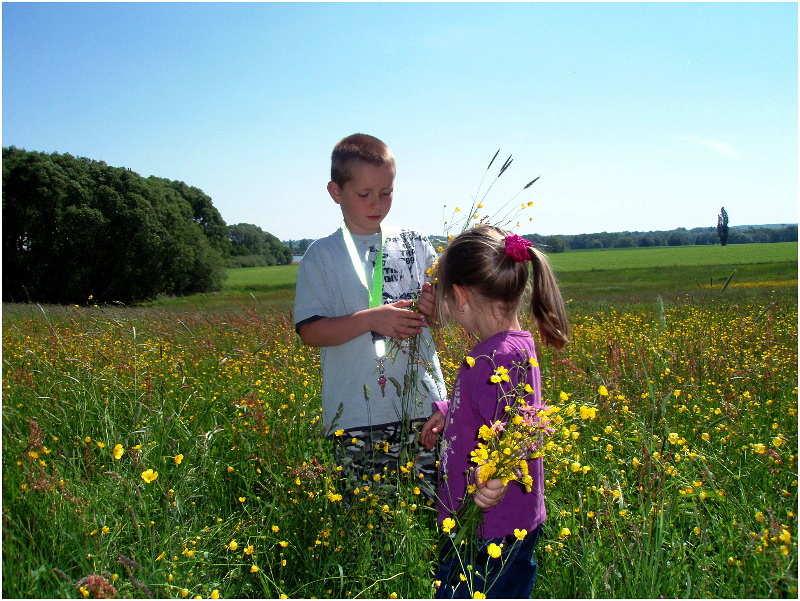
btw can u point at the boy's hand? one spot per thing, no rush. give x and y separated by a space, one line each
490 493
396 321
427 302
431 429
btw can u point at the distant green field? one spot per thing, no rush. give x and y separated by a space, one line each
263 279
634 274
664 256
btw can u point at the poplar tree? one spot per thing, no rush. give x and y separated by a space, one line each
722 226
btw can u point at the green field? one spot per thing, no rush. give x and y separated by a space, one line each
636 274
683 484
668 256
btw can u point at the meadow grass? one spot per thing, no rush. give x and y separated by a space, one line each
667 256
683 485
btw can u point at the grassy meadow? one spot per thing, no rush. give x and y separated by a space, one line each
173 450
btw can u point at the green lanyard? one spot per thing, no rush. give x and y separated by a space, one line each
376 289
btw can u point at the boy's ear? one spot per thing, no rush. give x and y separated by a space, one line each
335 191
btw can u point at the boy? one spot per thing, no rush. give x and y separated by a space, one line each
354 290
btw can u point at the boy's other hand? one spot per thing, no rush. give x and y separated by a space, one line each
490 493
431 430
396 321
427 302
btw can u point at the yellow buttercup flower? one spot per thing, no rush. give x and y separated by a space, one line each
117 451
478 595
564 533
448 524
485 432
178 458
479 455
533 362
248 550
215 594
233 545
494 550
485 472
283 544
588 412
275 529
254 568
602 390
520 534
470 361
149 475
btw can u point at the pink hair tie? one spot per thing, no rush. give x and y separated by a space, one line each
517 248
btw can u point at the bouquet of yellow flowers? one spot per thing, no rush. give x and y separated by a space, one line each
518 434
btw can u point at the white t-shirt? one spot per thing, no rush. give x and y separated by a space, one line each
328 286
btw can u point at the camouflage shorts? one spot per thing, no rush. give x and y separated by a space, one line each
377 456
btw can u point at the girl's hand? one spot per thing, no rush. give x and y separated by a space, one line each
431 429
489 493
396 321
427 302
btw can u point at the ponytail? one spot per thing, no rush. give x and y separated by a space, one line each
547 306
494 264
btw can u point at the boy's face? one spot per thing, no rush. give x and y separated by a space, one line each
366 198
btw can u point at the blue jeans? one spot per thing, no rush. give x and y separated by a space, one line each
510 576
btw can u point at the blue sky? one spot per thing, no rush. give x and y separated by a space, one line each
636 116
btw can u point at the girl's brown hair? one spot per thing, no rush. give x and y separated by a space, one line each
357 148
477 260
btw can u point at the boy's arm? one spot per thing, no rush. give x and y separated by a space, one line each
393 320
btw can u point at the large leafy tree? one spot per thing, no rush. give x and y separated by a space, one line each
74 227
249 240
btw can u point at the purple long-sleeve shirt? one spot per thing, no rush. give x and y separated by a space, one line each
474 403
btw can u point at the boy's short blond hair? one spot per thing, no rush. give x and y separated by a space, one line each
358 147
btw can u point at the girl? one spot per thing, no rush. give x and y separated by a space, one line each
483 274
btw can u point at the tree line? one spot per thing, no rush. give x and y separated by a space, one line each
677 237
74 227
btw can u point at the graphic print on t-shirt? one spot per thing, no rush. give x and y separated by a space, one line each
402 277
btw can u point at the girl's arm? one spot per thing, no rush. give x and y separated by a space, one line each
483 398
